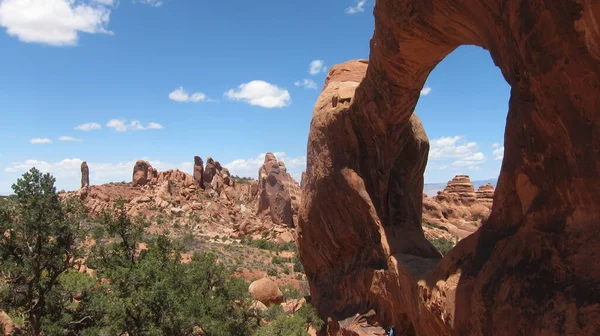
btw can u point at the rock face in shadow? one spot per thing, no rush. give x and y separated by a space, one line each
198 171
85 175
274 197
532 268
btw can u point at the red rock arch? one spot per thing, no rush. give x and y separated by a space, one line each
533 267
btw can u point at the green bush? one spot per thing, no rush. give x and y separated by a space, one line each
442 245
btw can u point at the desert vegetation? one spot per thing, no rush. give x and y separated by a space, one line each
66 273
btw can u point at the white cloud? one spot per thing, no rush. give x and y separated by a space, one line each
68 171
154 125
153 3
117 125
54 22
68 138
316 67
307 84
88 126
120 125
180 95
249 167
260 93
496 145
449 147
472 160
425 91
498 153
40 141
464 154
357 8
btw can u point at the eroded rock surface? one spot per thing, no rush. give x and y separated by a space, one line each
142 173
266 291
198 171
275 187
532 267
85 175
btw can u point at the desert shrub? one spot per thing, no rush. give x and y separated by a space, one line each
443 245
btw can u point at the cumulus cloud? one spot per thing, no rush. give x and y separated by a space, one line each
38 141
68 171
88 126
307 84
316 67
498 153
120 125
496 145
425 91
464 154
472 160
68 138
54 22
249 167
180 95
358 7
260 93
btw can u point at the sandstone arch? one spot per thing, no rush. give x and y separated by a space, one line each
533 267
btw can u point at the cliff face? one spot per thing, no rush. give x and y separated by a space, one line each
532 267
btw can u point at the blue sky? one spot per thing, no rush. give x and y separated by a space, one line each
112 82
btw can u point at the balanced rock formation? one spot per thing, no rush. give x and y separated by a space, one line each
143 172
85 175
532 268
274 196
266 291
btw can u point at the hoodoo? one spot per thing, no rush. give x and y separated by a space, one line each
532 268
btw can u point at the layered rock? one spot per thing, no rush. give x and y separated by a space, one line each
532 267
462 187
143 172
274 197
85 175
456 209
485 194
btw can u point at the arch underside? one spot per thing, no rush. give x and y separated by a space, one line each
533 267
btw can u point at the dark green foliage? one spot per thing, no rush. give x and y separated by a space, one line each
268 245
297 265
38 245
297 325
242 180
290 292
272 271
442 245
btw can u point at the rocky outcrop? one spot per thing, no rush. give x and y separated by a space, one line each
142 173
198 171
266 291
274 197
485 195
210 170
462 187
457 209
85 175
532 267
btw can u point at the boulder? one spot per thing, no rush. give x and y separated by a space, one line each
266 291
